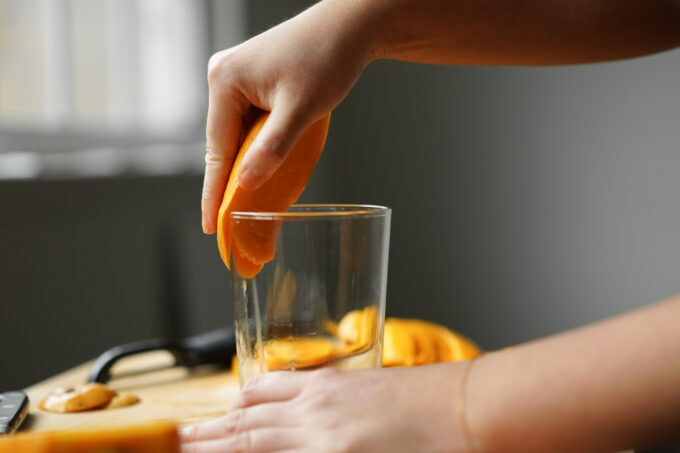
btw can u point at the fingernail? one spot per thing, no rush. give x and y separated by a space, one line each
249 179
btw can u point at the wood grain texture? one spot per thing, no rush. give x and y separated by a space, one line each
176 395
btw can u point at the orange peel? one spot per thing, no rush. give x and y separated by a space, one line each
254 243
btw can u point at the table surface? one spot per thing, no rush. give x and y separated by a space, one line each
177 395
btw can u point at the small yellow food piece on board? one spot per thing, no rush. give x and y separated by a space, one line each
150 438
291 353
123 400
80 398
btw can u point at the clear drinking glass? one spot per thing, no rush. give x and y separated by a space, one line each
318 299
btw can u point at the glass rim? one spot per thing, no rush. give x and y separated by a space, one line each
315 211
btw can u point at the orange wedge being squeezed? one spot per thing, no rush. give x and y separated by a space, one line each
252 243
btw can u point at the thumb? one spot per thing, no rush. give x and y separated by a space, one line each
272 145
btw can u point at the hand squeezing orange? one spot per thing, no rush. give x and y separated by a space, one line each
252 244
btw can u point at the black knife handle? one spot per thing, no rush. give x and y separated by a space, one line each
217 346
13 410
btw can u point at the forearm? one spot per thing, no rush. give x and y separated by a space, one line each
518 32
606 387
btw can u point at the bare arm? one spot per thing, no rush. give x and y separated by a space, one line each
523 32
609 386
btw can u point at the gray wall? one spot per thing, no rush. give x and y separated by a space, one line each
526 201
85 265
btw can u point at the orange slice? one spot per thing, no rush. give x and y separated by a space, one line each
426 339
256 241
245 267
358 329
399 346
456 346
409 342
291 353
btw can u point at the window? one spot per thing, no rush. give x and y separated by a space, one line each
114 80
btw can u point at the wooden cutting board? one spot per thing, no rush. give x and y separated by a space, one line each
178 395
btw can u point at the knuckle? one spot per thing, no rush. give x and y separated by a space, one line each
253 382
248 391
323 387
215 66
191 433
274 148
232 424
220 65
212 157
317 400
207 195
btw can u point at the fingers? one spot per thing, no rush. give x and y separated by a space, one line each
224 125
237 422
255 441
271 147
263 420
270 388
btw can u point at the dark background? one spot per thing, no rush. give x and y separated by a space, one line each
525 201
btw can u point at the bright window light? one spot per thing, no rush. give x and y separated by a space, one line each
107 74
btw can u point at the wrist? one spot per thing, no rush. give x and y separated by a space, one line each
461 408
483 415
362 24
446 404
